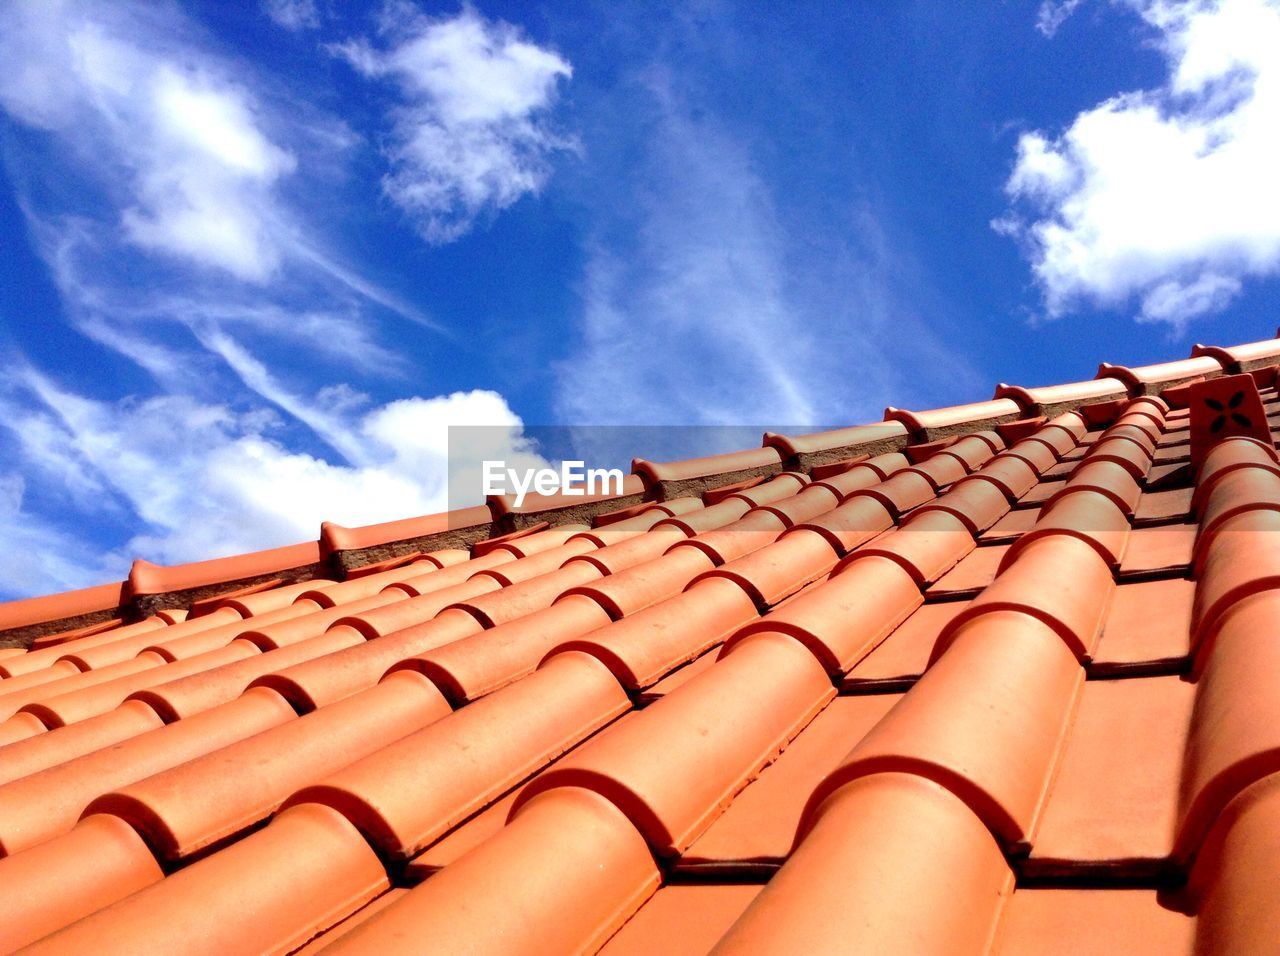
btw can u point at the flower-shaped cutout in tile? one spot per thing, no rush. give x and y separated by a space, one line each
1228 410
1225 407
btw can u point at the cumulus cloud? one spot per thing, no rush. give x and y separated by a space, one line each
208 480
1168 196
471 131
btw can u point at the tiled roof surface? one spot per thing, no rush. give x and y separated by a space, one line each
996 678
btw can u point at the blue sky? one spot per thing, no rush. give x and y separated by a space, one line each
257 257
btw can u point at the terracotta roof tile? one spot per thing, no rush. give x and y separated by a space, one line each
1152 379
48 803
468 668
644 647
130 719
1064 922
1228 886
957 419
972 573
779 569
822 447
1011 473
1087 514
337 538
682 919
570 901
334 676
856 521
1162 506
974 501
21 726
81 702
245 782
271 891
987 721
100 861
721 729
182 695
1055 399
841 620
892 860
1059 580
759 828
573 505
146 578
1147 629
361 915
681 477
632 588
1161 549
993 677
1014 523
65 609
1242 358
899 493
397 797
899 660
1233 734
1114 802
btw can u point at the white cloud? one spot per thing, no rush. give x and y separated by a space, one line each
197 166
292 14
206 480
708 301
1053 14
1167 195
39 557
471 134
154 178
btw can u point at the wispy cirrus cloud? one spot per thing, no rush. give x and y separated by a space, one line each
471 130
1168 196
293 14
1052 14
709 298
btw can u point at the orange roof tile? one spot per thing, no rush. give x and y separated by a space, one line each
994 678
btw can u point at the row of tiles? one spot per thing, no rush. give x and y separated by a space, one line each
886 846
614 556
865 563
935 544
779 451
